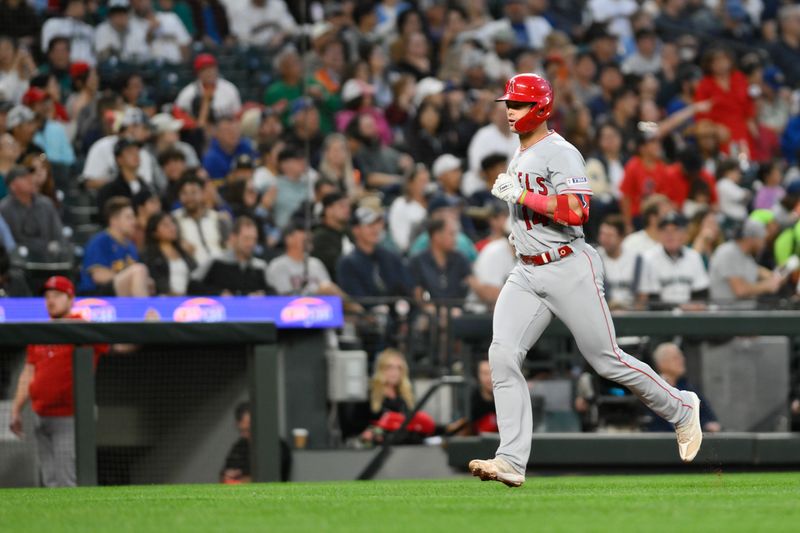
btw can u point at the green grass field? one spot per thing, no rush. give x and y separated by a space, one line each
702 502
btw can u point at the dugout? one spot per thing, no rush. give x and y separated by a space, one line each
165 412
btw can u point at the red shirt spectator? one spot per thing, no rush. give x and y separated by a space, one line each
731 106
643 173
679 177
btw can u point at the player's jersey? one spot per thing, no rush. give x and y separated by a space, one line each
551 166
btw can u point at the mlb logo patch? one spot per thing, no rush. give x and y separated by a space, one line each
577 182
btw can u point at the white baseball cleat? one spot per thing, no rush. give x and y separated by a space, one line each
690 434
496 470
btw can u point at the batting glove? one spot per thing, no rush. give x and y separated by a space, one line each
507 188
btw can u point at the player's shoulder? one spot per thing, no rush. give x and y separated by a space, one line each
556 140
558 150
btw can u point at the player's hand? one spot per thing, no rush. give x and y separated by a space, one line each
16 425
507 188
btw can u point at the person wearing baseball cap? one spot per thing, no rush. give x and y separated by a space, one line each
293 272
22 125
51 134
370 269
330 236
673 275
166 136
47 382
127 183
31 216
210 91
736 278
101 165
358 98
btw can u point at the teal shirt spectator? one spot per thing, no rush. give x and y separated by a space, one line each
291 194
181 9
3 189
53 139
463 245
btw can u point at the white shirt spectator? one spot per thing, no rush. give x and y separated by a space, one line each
101 164
638 242
12 87
288 276
492 267
256 25
641 65
621 277
404 217
616 12
733 199
130 45
673 279
206 235
494 263
168 38
226 101
487 141
80 34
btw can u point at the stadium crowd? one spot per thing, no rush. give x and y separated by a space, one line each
209 146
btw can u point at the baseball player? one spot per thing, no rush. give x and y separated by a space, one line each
557 274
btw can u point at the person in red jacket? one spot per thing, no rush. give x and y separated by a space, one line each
643 173
732 106
47 381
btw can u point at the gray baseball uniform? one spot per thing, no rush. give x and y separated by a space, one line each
570 289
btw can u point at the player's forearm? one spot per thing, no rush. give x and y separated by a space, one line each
564 209
21 396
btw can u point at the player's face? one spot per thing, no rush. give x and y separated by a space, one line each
57 303
515 111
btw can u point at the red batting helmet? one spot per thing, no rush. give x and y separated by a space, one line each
532 89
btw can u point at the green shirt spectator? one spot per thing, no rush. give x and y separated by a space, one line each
787 244
288 87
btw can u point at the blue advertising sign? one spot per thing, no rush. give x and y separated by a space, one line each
284 311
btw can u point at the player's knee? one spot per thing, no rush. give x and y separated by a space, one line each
502 359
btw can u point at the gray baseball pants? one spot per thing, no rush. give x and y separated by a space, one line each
55 444
572 290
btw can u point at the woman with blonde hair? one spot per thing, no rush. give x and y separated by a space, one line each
391 400
389 387
336 164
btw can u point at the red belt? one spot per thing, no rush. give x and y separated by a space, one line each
549 256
